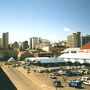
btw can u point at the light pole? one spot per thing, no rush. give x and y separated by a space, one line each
56 82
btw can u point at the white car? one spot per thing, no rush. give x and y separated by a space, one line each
52 76
87 82
84 79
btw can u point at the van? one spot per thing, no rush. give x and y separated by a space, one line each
75 83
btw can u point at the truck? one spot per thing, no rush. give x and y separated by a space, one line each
75 83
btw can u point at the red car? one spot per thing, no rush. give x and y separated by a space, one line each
56 73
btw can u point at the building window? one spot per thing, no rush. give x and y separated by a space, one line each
73 51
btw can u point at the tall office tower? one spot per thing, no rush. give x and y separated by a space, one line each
85 39
78 39
74 40
5 40
0 42
33 43
30 43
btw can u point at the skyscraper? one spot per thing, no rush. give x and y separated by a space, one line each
0 42
85 39
30 43
74 40
33 44
5 40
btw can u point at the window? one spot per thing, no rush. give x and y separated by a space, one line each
73 51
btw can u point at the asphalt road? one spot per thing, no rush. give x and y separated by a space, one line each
20 80
5 83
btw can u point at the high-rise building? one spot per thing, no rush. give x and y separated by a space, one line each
5 40
0 42
74 40
85 39
38 43
30 43
33 44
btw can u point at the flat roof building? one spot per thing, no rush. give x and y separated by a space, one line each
74 40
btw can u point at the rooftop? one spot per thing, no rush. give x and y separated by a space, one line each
86 46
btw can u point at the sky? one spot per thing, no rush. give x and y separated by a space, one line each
48 19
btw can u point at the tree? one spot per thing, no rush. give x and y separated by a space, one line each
56 53
69 63
77 63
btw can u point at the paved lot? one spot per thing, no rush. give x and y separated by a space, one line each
37 81
44 79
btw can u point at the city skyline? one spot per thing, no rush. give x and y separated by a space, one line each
49 19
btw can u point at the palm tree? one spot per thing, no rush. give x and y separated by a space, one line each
56 54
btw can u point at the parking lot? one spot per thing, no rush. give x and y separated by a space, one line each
44 78
48 81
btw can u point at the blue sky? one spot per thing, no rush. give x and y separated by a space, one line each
44 18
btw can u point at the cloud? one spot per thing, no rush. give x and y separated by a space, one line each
66 29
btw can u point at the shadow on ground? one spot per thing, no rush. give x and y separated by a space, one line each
5 83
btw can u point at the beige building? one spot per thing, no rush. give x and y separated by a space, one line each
0 42
53 48
38 43
74 40
44 43
33 42
5 40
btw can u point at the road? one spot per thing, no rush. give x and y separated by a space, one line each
32 81
20 80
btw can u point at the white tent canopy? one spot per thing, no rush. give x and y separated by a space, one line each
75 56
11 59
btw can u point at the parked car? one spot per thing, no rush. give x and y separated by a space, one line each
56 73
52 76
75 83
87 82
41 71
84 79
57 83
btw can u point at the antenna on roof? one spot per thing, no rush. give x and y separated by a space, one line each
78 29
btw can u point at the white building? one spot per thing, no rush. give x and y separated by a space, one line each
33 42
77 54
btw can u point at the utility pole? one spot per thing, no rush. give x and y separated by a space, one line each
56 85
